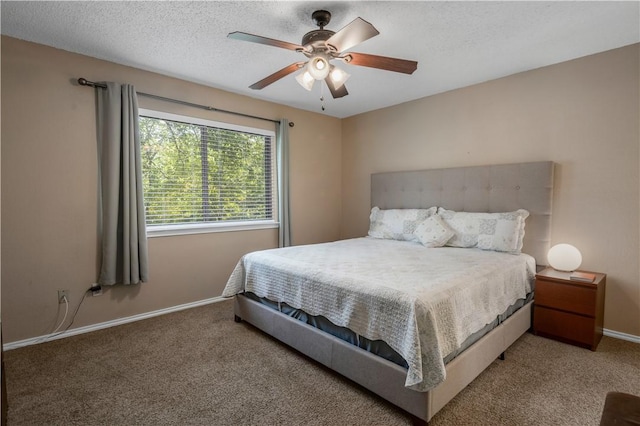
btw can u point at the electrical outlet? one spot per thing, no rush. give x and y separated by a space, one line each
96 289
62 294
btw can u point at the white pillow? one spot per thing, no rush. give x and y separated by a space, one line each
433 232
397 224
487 231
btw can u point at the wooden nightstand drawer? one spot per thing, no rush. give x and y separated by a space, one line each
568 310
564 326
567 297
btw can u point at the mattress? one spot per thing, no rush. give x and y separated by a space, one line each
379 347
424 303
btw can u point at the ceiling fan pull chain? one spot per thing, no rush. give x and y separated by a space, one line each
322 96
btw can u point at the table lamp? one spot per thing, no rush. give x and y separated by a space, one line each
564 257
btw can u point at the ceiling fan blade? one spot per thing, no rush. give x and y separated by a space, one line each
336 92
354 33
237 35
277 76
381 62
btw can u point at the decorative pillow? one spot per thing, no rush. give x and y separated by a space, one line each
397 224
433 232
487 231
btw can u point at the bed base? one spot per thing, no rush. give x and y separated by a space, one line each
376 374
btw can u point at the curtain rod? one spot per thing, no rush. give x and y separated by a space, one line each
85 82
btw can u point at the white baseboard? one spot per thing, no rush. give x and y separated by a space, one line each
120 321
621 336
107 324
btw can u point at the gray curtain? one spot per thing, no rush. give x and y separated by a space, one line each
282 149
122 218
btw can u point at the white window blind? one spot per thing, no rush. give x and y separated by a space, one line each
203 172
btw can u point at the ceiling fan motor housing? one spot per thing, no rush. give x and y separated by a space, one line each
316 39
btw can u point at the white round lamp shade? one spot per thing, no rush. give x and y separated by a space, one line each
564 257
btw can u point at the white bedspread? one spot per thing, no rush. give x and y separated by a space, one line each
423 302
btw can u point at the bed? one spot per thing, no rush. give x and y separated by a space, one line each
431 374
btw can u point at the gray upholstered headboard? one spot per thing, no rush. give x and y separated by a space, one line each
498 188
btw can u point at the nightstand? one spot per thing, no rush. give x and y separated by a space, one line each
567 310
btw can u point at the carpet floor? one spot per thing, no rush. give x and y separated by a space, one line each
198 367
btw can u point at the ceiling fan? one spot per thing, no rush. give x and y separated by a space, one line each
321 47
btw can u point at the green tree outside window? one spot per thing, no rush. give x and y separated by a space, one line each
194 173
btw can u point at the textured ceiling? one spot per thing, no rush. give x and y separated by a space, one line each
456 44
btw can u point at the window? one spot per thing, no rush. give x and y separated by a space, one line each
204 176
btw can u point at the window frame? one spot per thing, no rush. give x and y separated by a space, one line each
224 226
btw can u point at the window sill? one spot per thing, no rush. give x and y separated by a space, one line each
202 228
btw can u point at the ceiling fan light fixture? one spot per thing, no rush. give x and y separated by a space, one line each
319 67
305 80
321 47
338 76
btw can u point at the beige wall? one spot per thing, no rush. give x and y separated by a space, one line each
583 115
49 182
